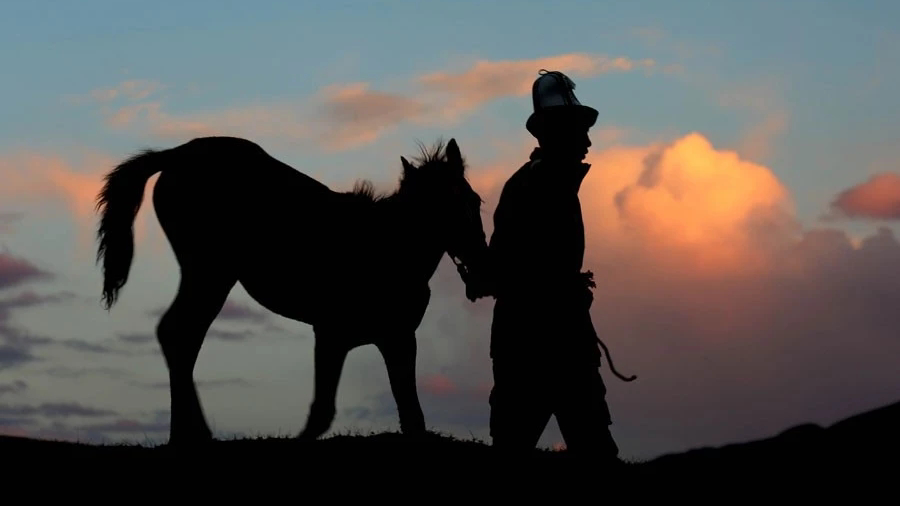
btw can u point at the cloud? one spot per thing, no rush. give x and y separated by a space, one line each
137 338
132 89
68 185
709 210
216 383
344 116
86 346
16 343
438 384
282 122
230 335
53 410
358 115
66 372
450 407
737 319
127 426
15 271
31 299
13 388
231 310
13 356
51 421
877 198
489 80
7 220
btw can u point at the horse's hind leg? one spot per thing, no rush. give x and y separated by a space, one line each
331 351
399 354
181 330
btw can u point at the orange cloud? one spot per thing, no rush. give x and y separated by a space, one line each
13 431
278 123
490 80
695 207
41 182
877 198
360 115
438 385
345 116
737 320
682 205
135 89
132 89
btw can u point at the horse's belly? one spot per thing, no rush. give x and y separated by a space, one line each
278 288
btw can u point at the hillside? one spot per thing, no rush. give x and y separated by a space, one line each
867 442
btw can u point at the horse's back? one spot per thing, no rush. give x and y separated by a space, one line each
217 189
235 171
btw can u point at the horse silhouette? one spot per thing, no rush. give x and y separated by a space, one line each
354 265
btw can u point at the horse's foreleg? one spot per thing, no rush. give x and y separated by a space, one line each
330 354
400 358
180 332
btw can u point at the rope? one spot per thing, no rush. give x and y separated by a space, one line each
611 366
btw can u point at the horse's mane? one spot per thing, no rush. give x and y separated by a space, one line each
365 190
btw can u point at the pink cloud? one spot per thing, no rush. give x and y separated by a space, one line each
345 116
360 115
132 89
14 431
737 319
276 122
438 385
876 198
489 80
15 271
48 183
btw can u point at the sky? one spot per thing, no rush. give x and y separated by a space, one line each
741 208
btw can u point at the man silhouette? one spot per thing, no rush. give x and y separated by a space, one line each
543 348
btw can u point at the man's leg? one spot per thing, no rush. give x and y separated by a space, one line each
519 408
583 414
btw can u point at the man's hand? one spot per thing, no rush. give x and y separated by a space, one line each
477 285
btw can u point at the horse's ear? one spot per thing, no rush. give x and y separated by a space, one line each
407 167
453 155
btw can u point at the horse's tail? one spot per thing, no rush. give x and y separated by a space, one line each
119 201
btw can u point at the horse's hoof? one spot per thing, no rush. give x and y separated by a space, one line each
413 427
193 438
415 432
306 436
190 443
311 433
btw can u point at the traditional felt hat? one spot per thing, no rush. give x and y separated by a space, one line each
554 101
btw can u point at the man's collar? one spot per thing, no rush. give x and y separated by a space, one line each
577 172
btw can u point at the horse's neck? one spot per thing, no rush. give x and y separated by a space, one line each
410 245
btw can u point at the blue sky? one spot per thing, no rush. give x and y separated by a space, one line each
805 89
827 64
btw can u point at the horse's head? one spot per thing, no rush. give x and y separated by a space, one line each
439 186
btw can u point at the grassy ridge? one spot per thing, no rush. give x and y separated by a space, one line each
864 443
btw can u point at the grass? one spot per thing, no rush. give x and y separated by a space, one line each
808 453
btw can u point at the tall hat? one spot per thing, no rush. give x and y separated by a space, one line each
554 100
